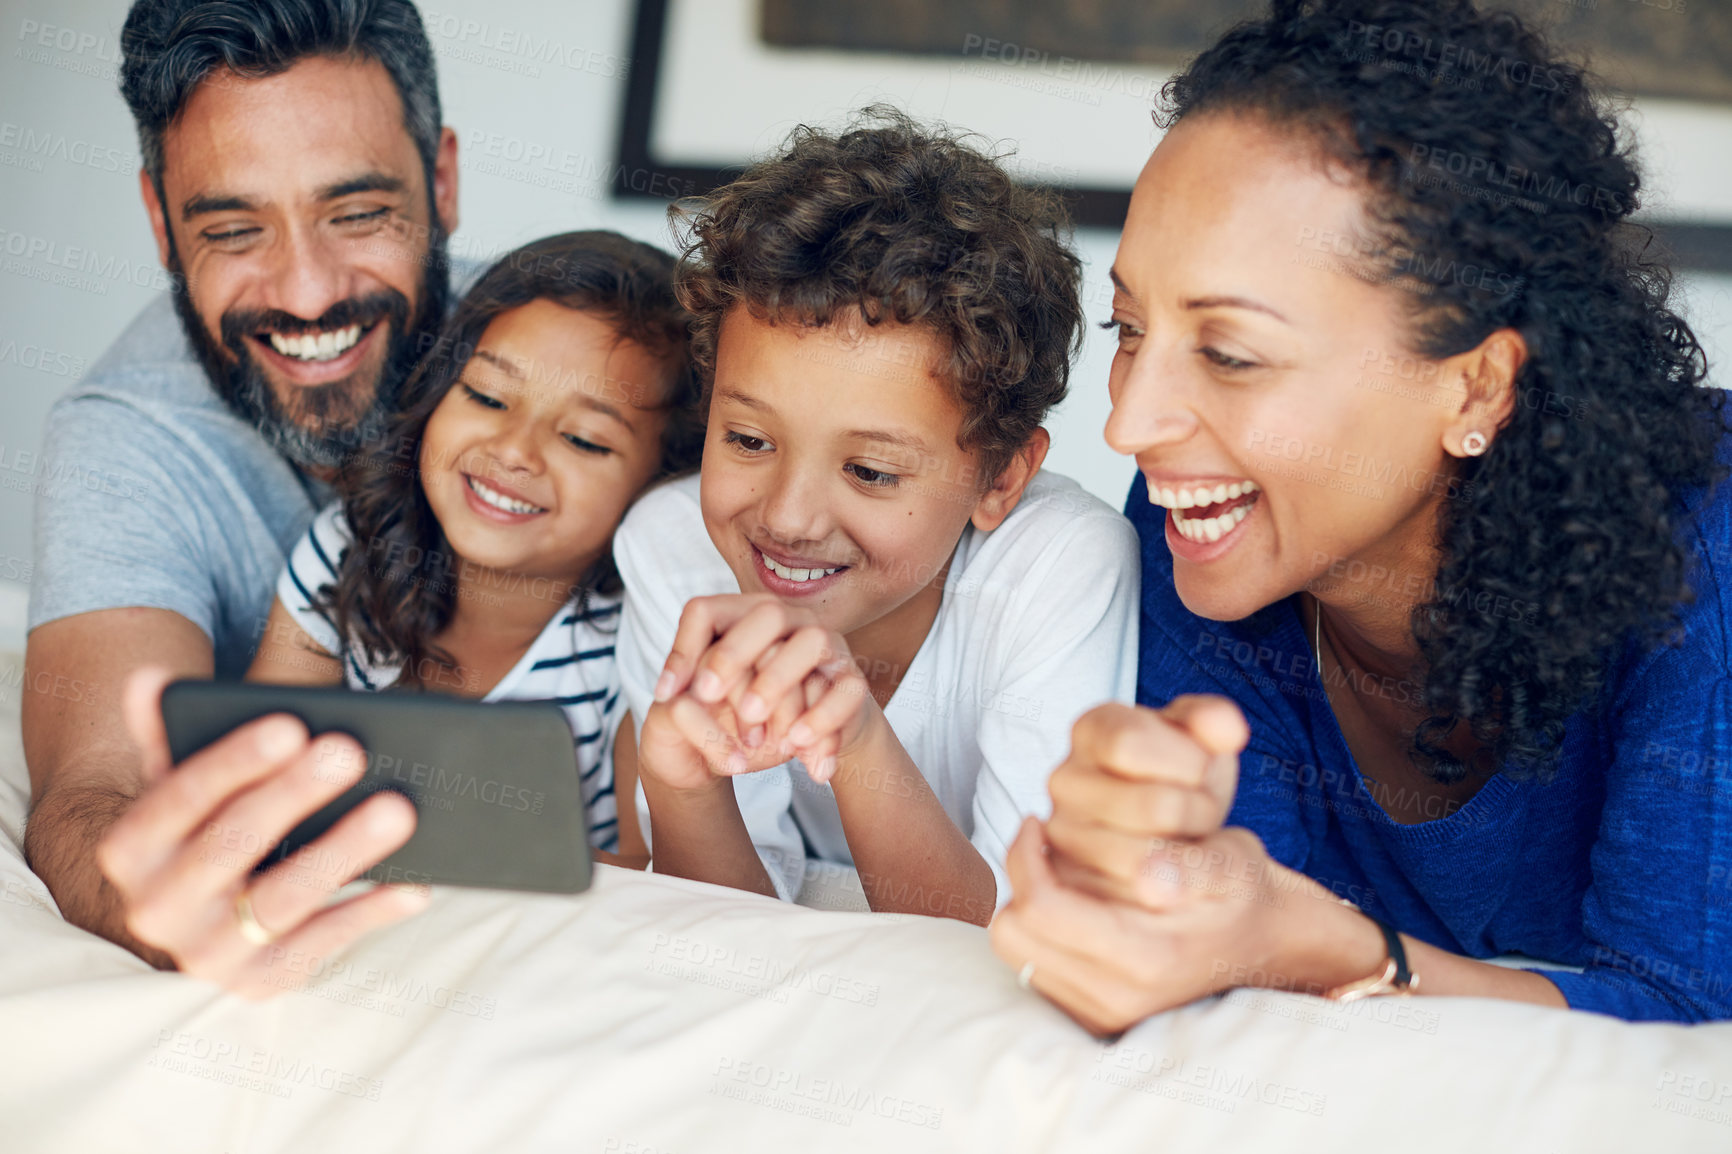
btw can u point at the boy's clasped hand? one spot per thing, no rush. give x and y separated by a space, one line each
750 683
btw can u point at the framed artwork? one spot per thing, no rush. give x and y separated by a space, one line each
1064 91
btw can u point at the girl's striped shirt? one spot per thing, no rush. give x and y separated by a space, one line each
570 664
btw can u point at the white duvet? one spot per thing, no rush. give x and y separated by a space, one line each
657 1016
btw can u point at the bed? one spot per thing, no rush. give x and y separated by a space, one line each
657 1016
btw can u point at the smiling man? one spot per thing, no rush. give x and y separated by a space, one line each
300 187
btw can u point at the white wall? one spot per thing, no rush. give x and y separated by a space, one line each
68 196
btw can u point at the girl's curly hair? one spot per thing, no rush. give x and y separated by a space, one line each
396 586
1481 146
907 223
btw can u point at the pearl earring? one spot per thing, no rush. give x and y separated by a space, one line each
1474 443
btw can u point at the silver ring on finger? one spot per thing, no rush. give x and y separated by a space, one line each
251 928
1025 976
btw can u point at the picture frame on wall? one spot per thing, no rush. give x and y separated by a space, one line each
1064 93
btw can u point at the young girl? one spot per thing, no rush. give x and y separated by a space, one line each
558 390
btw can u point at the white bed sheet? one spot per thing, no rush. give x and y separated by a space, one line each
657 1016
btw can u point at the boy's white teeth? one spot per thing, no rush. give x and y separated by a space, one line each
1198 495
325 346
788 574
500 501
1210 529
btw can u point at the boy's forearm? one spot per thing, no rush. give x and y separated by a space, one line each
60 847
699 834
911 857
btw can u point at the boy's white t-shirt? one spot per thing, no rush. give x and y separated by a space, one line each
571 663
1038 625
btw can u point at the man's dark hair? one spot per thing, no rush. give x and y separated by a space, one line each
901 222
170 46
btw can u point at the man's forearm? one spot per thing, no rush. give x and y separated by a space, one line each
60 846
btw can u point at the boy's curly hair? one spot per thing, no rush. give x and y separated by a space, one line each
1480 145
897 221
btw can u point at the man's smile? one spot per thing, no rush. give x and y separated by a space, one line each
317 356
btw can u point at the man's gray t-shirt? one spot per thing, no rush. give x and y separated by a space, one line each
156 494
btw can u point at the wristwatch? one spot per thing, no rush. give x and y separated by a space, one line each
1393 978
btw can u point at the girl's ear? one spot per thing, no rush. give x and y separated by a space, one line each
997 502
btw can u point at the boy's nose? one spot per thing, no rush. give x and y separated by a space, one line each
793 511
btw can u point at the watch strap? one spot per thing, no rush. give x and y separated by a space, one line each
1393 978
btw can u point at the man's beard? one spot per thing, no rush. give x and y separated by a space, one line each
321 425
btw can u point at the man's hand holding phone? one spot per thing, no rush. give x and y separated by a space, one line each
182 856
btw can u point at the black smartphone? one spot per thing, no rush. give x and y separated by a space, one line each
494 784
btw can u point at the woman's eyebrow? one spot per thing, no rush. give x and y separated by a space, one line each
1235 303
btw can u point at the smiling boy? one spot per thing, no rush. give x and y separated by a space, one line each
872 573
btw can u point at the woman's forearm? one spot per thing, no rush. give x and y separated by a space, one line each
1327 944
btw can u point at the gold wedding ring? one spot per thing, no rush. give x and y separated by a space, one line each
251 928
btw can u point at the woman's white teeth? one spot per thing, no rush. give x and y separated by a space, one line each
324 346
1210 529
788 574
500 501
1199 495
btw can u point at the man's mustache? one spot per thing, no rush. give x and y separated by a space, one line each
386 304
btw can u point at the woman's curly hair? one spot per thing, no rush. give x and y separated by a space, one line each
1480 145
396 586
902 222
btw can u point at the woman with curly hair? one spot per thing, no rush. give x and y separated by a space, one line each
1434 631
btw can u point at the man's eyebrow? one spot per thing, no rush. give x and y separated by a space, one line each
207 203
1235 303
366 182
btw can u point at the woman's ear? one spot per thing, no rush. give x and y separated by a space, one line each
1006 490
1487 374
